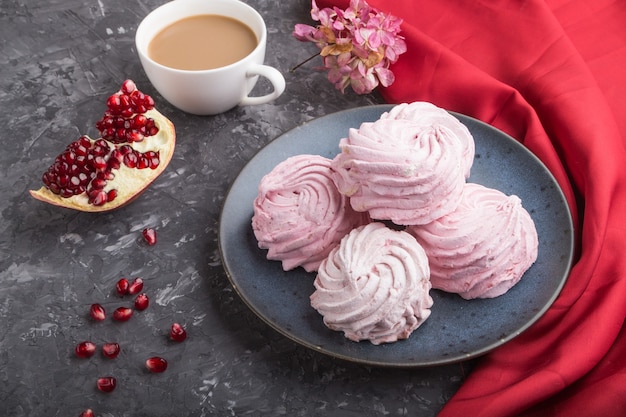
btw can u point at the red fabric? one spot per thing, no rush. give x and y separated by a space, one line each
551 73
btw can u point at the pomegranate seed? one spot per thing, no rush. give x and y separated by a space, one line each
111 350
139 121
84 142
114 103
87 413
178 333
128 86
153 158
125 102
101 147
115 160
130 160
97 312
141 302
98 183
122 286
122 314
99 163
106 383
143 162
108 133
136 286
134 136
111 194
85 349
149 234
156 364
99 198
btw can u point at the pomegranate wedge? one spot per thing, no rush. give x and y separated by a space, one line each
96 175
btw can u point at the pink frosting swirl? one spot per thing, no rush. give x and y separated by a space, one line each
401 171
374 285
427 114
299 215
481 249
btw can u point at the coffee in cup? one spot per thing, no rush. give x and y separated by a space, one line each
205 57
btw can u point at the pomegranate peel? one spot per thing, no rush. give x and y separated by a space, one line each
121 178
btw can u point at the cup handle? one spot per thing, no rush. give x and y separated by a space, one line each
273 75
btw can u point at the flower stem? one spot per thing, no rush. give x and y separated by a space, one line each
293 69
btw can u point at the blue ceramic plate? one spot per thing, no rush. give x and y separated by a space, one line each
457 329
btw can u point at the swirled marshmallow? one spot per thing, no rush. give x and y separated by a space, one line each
374 286
299 215
401 171
427 114
482 248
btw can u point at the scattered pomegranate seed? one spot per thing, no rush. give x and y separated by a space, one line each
136 286
156 364
87 413
97 312
122 314
141 302
178 333
111 350
122 286
106 383
85 349
149 234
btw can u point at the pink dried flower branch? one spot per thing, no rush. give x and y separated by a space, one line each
357 45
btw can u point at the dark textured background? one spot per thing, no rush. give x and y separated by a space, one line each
59 61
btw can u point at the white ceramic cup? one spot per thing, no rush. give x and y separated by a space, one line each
211 91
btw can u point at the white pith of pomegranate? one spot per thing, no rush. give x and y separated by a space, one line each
96 175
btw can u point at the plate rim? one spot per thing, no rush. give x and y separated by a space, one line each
456 359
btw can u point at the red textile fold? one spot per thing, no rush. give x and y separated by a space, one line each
552 74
